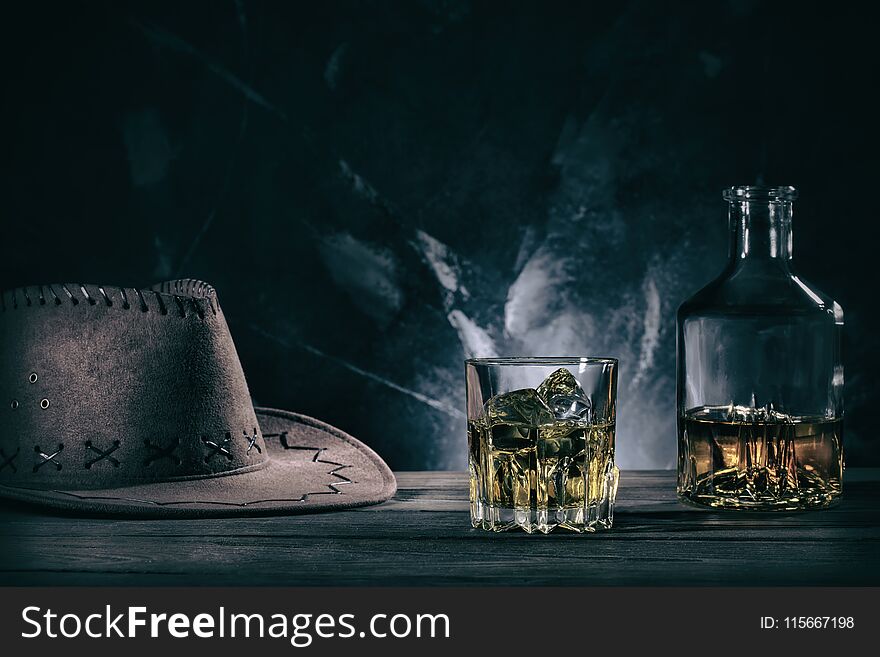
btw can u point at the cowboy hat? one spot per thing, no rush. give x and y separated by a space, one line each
129 401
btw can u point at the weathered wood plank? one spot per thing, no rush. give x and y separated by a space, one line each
423 537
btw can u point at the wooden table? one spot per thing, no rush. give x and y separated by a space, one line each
423 537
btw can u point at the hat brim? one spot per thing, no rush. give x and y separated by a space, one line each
312 467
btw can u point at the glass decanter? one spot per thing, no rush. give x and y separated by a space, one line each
760 376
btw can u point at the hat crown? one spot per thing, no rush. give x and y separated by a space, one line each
106 386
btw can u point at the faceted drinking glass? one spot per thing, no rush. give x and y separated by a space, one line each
541 443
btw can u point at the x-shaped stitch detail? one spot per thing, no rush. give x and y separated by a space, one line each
252 441
102 455
218 447
9 460
160 452
48 458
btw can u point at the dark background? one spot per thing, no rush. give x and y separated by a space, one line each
380 189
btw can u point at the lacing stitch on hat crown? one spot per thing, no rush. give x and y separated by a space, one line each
144 306
57 300
252 441
187 296
103 454
8 461
72 298
215 447
86 294
48 458
106 298
162 309
160 452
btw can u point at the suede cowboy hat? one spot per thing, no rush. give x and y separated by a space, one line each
133 402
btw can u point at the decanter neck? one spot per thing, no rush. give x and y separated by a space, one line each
760 230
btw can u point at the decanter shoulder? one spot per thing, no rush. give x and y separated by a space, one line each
763 293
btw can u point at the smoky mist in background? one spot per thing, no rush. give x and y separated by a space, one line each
379 190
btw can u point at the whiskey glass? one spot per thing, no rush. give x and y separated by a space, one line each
541 443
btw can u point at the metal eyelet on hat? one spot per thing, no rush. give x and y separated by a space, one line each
44 403
33 377
13 404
